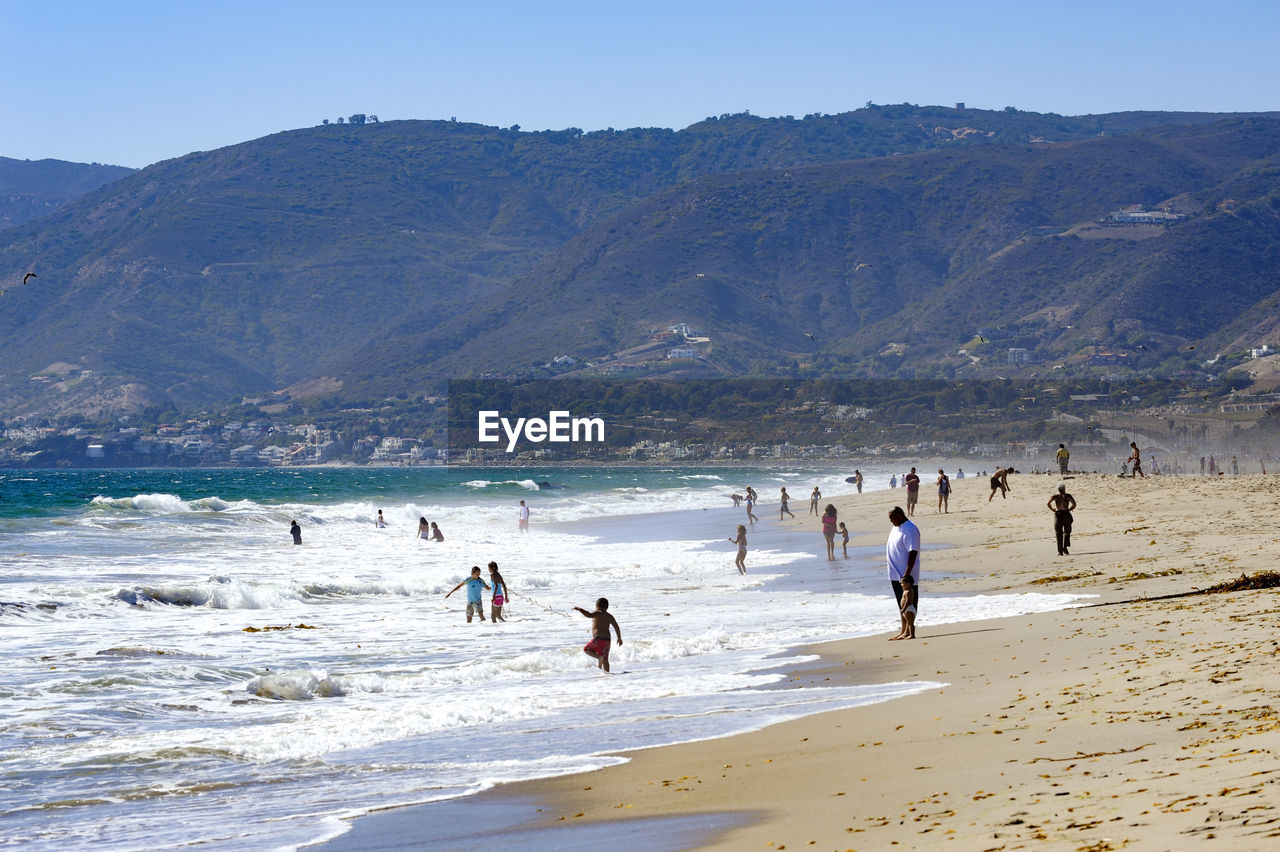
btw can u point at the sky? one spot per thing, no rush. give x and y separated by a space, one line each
132 82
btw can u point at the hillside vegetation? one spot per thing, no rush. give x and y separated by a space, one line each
30 189
382 260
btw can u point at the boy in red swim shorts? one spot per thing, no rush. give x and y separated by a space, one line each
601 621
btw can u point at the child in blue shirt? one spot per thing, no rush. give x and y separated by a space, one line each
475 587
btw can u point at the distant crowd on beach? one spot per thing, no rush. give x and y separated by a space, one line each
902 549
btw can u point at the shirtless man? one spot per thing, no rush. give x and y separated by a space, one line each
1000 482
601 621
1135 456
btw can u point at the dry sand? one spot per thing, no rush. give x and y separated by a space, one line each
1144 723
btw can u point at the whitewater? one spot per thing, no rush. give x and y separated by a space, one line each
179 673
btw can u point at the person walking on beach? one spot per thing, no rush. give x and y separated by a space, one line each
813 501
475 590
500 594
999 482
601 621
912 481
424 529
893 480
944 492
524 517
1135 456
1064 457
857 479
1202 465
1061 505
829 531
751 502
902 553
296 532
844 538
741 562
379 522
782 507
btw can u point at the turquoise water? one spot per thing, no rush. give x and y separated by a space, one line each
178 672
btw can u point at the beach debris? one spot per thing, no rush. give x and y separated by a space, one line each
1081 755
1261 580
1062 578
298 626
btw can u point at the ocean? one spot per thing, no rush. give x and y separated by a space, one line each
179 673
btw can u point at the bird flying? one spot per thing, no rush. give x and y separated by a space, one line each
28 275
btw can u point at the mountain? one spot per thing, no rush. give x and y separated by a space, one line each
889 266
30 189
379 260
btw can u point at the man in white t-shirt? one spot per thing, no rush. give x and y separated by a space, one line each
902 552
524 517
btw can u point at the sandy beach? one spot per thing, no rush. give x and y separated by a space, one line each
1142 720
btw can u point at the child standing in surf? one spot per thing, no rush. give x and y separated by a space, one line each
475 603
741 562
601 621
500 593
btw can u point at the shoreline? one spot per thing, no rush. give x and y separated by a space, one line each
1095 724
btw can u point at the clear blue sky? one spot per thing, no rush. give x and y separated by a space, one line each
131 82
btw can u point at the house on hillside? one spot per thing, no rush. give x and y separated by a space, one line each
1138 215
1109 359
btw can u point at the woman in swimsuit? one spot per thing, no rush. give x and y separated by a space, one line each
829 531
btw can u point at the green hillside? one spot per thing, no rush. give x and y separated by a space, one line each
30 189
388 258
819 269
